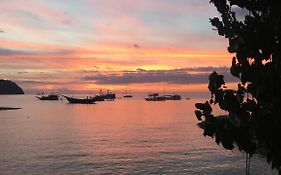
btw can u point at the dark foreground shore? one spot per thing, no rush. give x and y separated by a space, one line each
8 108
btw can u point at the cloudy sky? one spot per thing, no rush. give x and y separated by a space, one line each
86 45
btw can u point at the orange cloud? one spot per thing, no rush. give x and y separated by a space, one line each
63 42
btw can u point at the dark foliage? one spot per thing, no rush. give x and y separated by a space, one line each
254 109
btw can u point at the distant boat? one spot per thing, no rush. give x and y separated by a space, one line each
155 97
172 97
128 96
102 97
110 96
98 98
109 99
80 100
48 97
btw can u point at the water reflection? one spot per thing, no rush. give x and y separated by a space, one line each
125 136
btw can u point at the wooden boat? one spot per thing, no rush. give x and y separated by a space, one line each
80 100
48 97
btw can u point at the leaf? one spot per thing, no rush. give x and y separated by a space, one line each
199 106
207 108
219 96
198 115
227 143
215 82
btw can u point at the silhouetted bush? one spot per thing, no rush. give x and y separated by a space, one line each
253 120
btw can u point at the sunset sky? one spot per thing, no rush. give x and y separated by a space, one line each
85 45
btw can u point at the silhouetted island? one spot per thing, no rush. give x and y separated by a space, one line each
8 87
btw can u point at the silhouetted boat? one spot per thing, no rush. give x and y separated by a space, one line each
80 100
98 98
48 97
154 97
109 95
128 96
109 99
102 97
172 97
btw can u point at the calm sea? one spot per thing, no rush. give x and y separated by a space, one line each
125 136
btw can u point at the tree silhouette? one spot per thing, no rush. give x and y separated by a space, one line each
253 120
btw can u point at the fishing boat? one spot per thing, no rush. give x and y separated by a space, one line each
172 97
109 95
48 97
98 98
73 100
154 97
102 97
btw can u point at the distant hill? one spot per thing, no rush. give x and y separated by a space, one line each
9 87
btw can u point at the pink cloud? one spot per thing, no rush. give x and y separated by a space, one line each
38 8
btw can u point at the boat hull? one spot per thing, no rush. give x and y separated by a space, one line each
172 97
128 96
104 97
48 97
155 99
80 100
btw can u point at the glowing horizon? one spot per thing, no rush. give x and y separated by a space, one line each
61 44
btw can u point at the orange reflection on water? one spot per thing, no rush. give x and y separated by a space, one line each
122 136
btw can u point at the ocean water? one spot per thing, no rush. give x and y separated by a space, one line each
125 136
